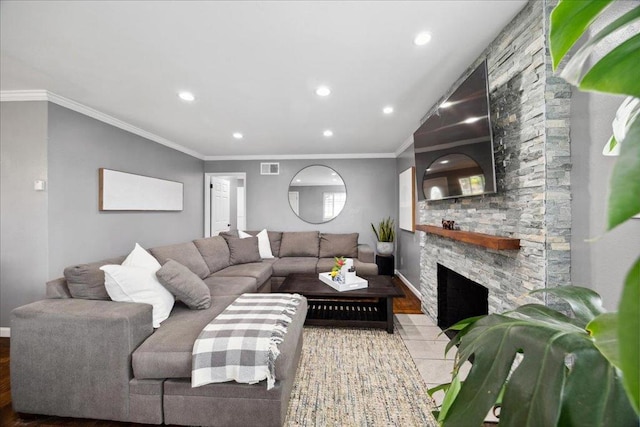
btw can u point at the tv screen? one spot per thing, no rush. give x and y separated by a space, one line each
454 146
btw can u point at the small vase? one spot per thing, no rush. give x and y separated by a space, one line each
384 248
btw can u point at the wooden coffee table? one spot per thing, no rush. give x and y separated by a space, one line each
370 307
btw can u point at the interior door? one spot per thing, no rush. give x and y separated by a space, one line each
219 205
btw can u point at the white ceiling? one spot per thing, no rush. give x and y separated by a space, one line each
253 67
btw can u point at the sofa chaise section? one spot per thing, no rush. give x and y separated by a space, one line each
72 357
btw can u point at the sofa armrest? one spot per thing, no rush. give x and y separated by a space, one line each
365 253
57 288
72 357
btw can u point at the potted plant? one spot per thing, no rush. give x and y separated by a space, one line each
385 234
539 365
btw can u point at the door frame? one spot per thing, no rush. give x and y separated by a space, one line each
207 196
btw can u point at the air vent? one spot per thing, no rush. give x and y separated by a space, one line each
269 168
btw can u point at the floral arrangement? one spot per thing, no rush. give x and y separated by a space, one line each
335 271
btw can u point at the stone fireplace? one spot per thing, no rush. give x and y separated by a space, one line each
530 120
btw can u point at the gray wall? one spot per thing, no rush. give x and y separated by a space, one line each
78 231
601 265
43 232
23 211
408 246
371 194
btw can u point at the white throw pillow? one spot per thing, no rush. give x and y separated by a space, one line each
264 246
139 257
136 284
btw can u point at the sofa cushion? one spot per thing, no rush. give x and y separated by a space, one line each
86 281
337 245
285 266
261 271
243 251
185 285
229 285
214 251
300 244
167 353
186 254
362 268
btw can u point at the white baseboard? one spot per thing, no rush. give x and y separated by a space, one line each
409 285
5 332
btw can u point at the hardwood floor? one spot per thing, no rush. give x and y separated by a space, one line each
408 305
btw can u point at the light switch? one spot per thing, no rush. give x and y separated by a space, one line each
39 185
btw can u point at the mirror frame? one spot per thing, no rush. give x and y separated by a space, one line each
292 186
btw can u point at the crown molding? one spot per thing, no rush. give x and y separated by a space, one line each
332 156
404 146
23 95
43 95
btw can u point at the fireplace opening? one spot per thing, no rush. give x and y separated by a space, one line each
459 298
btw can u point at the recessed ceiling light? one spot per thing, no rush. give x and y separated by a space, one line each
323 91
328 133
388 109
298 180
333 174
238 135
186 96
422 39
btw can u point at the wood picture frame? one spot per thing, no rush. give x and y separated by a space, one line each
407 200
123 191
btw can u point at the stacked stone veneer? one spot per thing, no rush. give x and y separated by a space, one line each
530 119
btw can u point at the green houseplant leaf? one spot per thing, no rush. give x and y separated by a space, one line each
559 377
629 334
624 198
572 71
386 230
617 71
604 330
569 20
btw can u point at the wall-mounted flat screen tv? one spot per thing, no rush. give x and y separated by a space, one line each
454 146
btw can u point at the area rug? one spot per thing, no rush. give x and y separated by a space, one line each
357 377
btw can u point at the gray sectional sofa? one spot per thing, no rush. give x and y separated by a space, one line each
79 354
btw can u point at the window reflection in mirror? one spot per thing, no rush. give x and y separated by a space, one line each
317 194
453 175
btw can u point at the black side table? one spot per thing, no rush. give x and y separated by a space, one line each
386 264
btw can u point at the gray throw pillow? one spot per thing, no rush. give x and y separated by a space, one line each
185 285
86 281
243 251
337 245
300 244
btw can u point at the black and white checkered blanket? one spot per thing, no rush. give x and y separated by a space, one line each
241 343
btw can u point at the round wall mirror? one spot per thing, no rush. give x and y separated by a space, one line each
317 194
453 175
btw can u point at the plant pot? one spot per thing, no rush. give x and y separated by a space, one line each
384 248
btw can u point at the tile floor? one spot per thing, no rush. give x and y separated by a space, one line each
426 344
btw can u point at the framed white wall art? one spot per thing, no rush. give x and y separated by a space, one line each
407 190
122 191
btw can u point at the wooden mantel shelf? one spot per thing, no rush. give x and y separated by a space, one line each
479 239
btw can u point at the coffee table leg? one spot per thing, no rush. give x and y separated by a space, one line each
390 315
